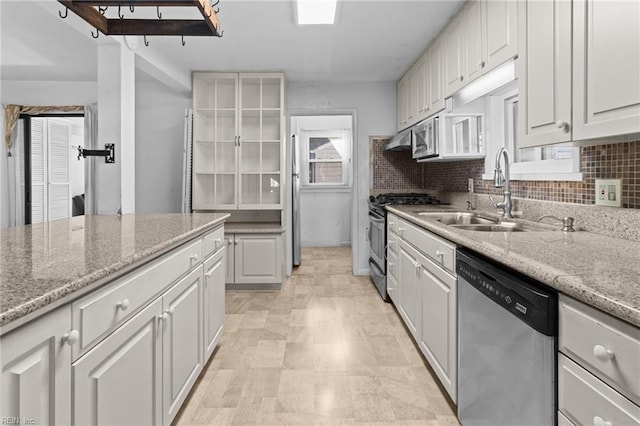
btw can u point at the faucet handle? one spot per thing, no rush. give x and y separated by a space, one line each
496 205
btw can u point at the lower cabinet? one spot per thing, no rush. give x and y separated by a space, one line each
410 288
35 382
257 259
214 286
119 381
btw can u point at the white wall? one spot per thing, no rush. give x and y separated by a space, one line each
375 106
159 147
47 93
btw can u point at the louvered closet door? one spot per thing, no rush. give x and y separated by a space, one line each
38 171
59 182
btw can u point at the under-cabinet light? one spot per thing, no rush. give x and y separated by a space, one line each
316 12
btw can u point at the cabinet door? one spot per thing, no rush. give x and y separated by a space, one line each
402 93
474 38
258 259
422 88
409 288
439 321
436 77
606 66
544 81
500 20
412 96
35 384
261 141
214 286
182 349
454 55
120 380
215 124
230 255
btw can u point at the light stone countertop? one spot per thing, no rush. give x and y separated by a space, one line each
601 271
42 264
254 227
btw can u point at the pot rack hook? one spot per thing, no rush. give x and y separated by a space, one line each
120 14
159 14
146 43
183 42
214 5
96 35
219 34
131 7
66 13
102 9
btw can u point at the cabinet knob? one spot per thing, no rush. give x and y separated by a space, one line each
218 240
400 231
228 240
194 257
561 124
599 421
235 243
461 78
391 263
163 316
603 354
71 338
124 304
440 255
208 274
168 311
416 264
482 64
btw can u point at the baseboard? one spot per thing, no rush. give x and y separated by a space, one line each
306 244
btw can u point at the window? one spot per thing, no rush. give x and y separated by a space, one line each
326 156
551 162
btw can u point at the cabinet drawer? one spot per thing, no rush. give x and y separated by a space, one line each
105 309
586 334
583 398
563 421
392 243
392 224
441 251
392 265
213 241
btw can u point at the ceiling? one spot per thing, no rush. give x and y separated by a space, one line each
371 40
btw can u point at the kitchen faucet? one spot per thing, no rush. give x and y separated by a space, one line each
499 181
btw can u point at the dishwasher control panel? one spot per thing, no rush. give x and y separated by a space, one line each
525 299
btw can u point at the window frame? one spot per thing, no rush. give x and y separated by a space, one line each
305 161
537 170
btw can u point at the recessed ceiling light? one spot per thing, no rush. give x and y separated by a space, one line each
316 12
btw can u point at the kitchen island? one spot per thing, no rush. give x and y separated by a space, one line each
108 311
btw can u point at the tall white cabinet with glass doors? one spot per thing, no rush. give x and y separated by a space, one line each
238 144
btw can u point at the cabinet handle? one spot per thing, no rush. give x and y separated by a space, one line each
194 257
599 421
391 263
208 274
482 64
168 311
440 255
124 304
400 231
71 338
603 354
235 243
461 78
228 240
162 316
561 124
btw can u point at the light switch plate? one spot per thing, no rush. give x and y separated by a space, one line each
609 192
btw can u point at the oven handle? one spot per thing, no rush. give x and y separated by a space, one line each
374 217
375 270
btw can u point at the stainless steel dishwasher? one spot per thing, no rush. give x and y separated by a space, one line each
507 342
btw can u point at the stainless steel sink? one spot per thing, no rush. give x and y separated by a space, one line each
502 227
458 218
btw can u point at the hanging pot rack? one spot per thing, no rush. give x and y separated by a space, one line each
93 12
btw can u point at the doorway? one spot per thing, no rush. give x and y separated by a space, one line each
322 159
51 178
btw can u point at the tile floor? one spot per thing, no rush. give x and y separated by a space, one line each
323 350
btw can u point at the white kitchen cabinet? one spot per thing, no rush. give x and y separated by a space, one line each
402 103
35 384
230 261
119 381
409 288
421 77
435 64
544 61
500 32
473 55
438 329
238 153
182 334
606 66
257 259
214 296
454 54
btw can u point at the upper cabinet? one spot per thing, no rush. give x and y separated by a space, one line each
606 68
238 149
586 90
544 60
482 36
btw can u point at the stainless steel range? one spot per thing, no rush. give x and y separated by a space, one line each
378 233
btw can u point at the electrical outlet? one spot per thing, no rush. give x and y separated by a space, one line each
609 192
470 185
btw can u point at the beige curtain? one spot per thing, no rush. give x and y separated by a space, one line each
12 112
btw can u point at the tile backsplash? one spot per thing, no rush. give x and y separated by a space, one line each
610 161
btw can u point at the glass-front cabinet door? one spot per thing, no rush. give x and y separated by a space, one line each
215 141
261 138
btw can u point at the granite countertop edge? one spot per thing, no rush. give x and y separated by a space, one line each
564 281
137 259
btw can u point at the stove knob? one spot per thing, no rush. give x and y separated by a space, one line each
507 299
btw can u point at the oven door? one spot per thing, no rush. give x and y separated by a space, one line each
377 239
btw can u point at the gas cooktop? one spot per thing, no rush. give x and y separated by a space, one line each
403 198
